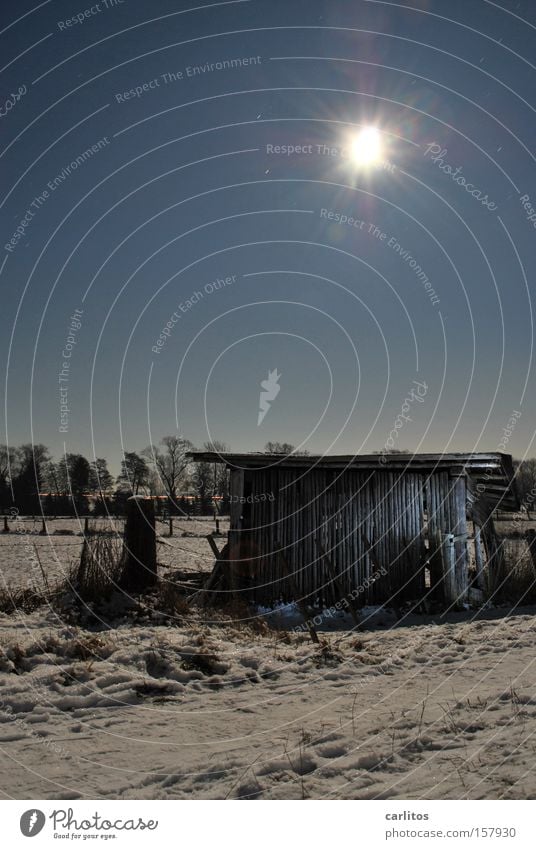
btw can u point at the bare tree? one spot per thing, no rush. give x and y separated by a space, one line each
101 481
78 472
134 473
526 483
203 480
31 461
7 471
211 480
171 464
7 462
53 478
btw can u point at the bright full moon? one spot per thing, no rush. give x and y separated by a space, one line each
366 147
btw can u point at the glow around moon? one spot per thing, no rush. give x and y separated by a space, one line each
366 147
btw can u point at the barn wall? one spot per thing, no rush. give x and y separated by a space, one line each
367 522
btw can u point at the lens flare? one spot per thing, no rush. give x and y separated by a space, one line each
366 147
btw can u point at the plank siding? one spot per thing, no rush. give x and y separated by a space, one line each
395 511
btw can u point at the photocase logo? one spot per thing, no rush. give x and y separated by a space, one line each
271 389
32 822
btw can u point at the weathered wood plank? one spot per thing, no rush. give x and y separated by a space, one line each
339 589
302 606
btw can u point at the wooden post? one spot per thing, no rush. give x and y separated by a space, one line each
496 571
86 526
218 527
171 526
479 560
236 488
6 526
215 550
531 541
458 510
448 556
436 565
139 547
217 576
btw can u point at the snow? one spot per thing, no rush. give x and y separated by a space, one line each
24 548
443 709
432 707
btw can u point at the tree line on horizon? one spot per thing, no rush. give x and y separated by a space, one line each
33 482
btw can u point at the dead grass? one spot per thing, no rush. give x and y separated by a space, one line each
78 673
326 655
94 579
153 689
206 662
24 599
17 655
87 647
171 599
519 580
100 569
238 614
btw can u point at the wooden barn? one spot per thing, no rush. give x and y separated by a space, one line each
382 529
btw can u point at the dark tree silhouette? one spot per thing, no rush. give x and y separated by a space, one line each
7 469
28 483
135 474
526 483
211 480
170 461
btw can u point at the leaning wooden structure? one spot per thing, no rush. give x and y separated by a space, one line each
381 529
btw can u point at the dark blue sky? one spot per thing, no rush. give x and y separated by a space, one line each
124 206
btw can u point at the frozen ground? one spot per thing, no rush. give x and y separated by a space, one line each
24 548
445 710
150 708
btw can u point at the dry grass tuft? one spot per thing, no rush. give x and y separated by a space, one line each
17 655
24 599
205 662
87 647
100 569
326 655
519 573
171 599
238 614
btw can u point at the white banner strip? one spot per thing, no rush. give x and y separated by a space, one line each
367 824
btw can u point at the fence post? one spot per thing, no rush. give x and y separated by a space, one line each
531 541
448 556
479 560
458 513
139 547
6 526
495 571
435 560
171 526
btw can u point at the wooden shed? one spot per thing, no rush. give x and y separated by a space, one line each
383 529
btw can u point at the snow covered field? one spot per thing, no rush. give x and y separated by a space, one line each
23 548
432 708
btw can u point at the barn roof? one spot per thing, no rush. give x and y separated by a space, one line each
491 475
